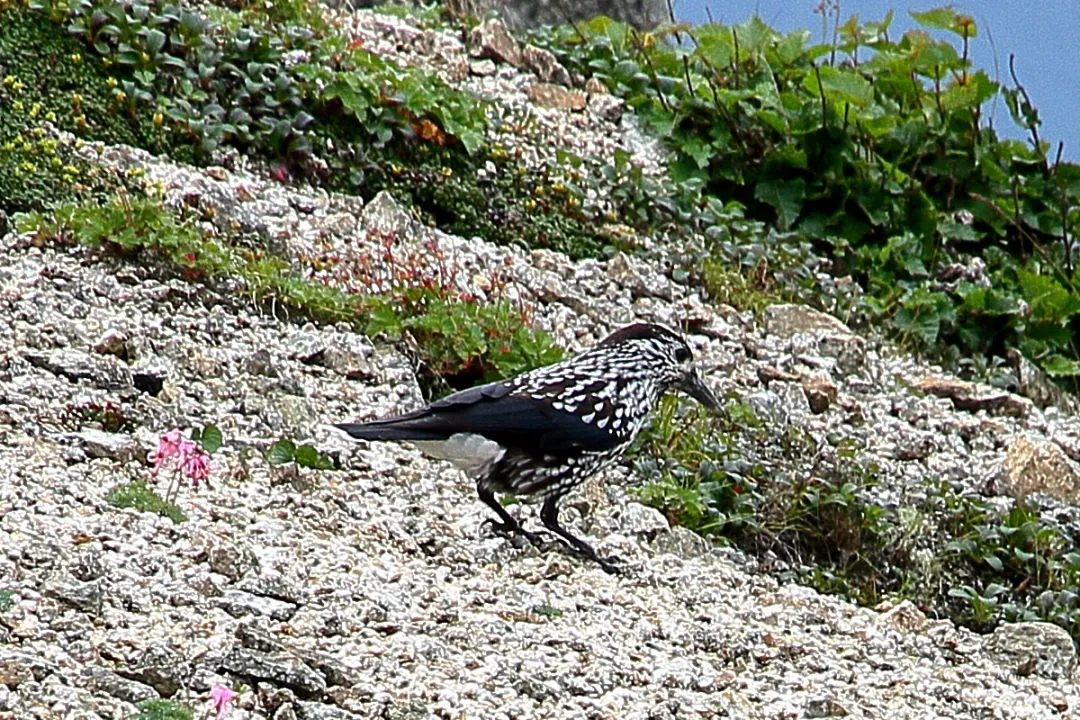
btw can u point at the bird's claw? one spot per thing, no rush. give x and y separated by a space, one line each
611 565
509 529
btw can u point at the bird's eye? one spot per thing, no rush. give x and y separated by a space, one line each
682 354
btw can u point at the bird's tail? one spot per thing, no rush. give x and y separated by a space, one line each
386 431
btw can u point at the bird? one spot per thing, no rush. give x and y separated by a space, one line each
545 431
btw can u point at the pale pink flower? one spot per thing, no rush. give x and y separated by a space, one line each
222 698
195 466
184 456
169 446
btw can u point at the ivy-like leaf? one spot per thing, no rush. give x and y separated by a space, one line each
785 196
282 452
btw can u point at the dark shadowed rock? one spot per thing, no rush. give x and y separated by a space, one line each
279 668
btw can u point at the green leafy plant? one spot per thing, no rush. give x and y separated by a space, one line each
871 149
161 710
7 600
209 438
285 451
136 494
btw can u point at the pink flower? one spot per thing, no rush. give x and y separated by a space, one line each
195 466
184 456
221 697
170 445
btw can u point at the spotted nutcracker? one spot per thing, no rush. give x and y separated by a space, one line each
547 430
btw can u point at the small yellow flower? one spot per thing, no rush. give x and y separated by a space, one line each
159 119
50 116
17 106
76 58
145 58
76 99
121 96
111 82
8 146
35 109
9 80
447 172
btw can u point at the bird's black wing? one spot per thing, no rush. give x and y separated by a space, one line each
493 411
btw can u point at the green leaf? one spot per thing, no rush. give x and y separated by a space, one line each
307 456
281 453
211 439
785 196
1060 366
840 86
155 40
946 19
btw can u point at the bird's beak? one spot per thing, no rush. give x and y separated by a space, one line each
692 385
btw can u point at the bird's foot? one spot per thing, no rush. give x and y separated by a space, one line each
513 528
611 565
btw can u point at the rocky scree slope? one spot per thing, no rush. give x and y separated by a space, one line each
372 591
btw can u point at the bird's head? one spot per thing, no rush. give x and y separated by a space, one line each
666 356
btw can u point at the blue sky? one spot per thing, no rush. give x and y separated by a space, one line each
1043 34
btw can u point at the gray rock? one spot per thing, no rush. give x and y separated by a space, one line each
1034 648
320 711
85 596
159 667
545 65
607 107
490 39
647 522
234 560
241 604
272 586
786 320
111 342
483 68
279 668
18 667
384 213
114 446
681 542
98 679
104 372
555 97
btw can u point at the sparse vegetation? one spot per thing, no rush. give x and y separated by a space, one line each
137 494
462 339
810 514
162 710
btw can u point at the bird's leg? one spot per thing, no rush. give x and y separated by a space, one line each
508 524
549 515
